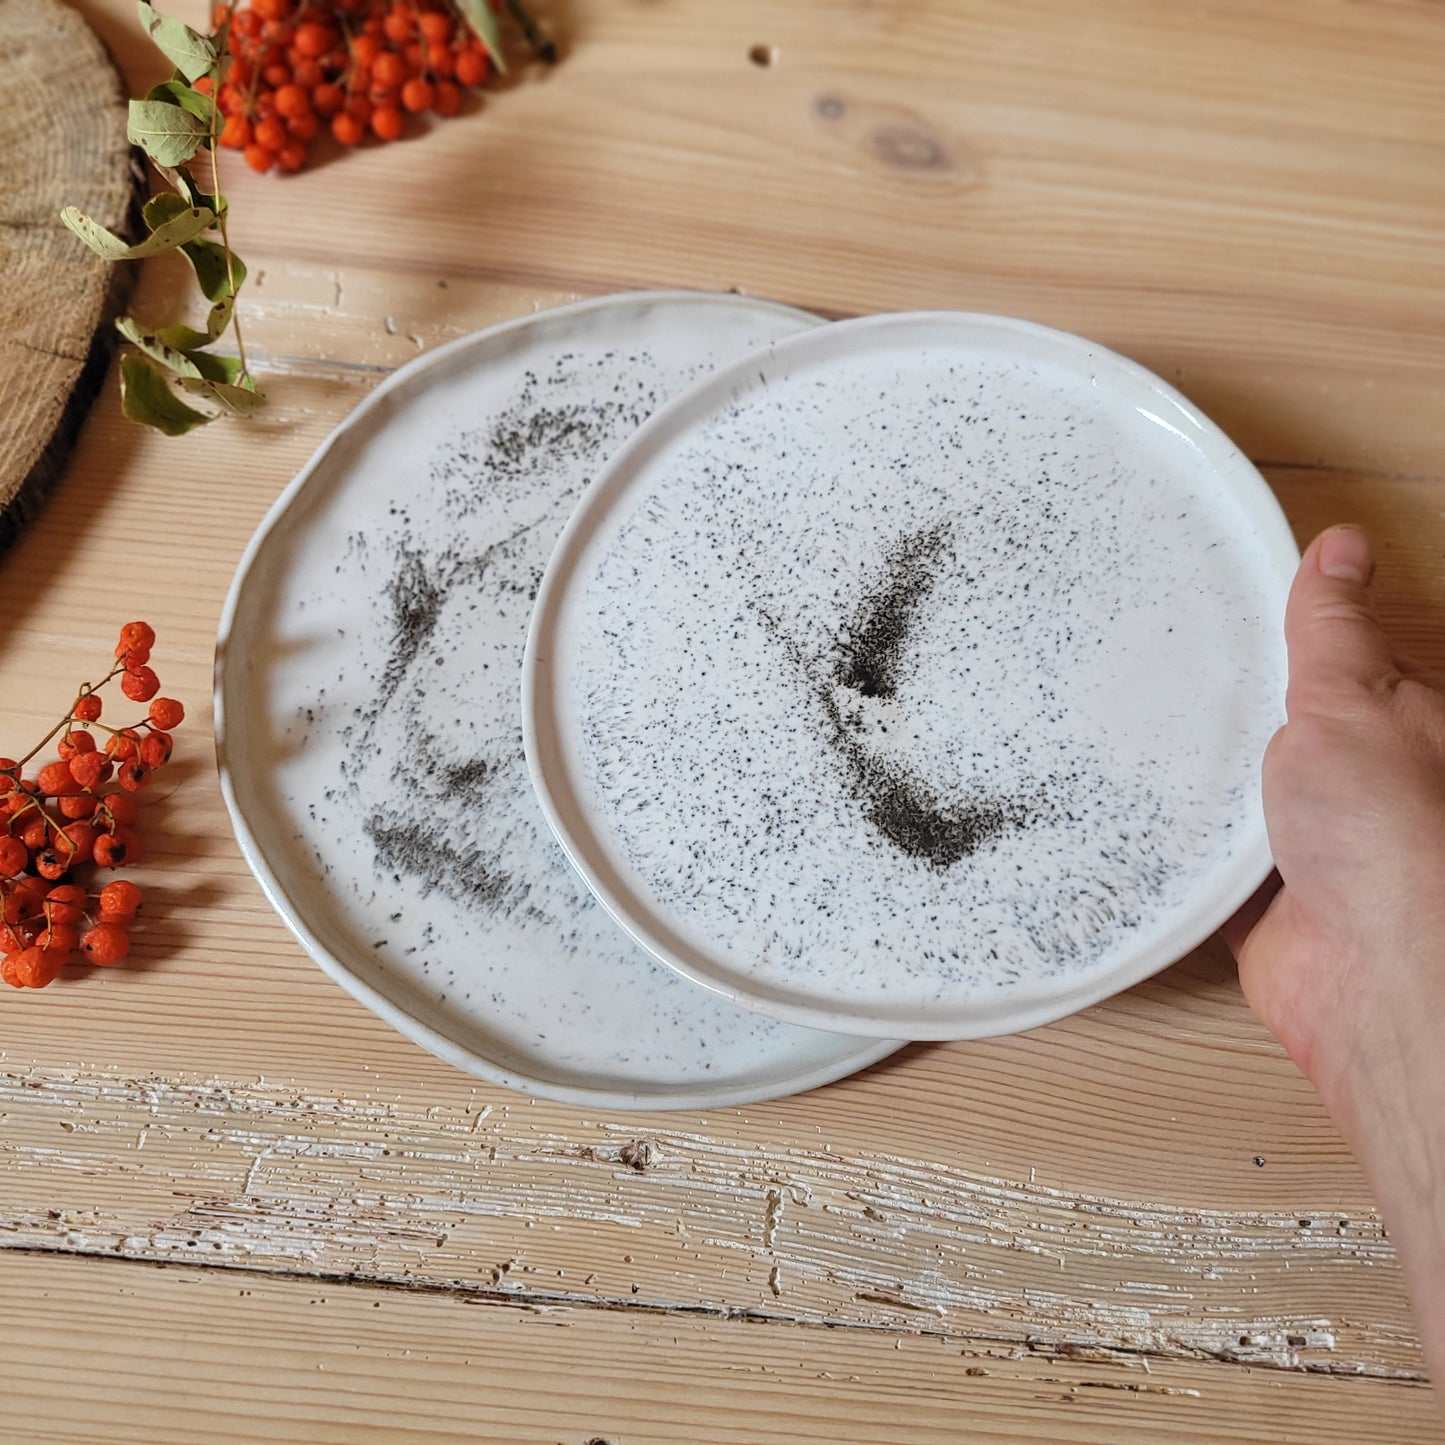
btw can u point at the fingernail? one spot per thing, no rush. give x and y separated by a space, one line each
1345 553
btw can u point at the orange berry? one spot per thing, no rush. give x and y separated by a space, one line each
328 99
87 708
292 101
80 806
277 74
449 98
388 122
105 944
123 745
122 898
64 938
86 768
347 129
441 62
167 713
365 51
471 68
65 903
139 684
121 808
259 158
313 38
272 134
35 832
291 157
50 863
75 842
436 25
274 9
236 133
398 25
302 128
109 851
389 69
414 54
308 74
74 743
14 855
135 635
246 25
155 750
204 84
418 94
134 775
56 781
32 967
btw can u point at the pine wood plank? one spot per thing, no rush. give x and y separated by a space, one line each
196 1356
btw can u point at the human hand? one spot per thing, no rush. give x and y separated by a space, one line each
1345 960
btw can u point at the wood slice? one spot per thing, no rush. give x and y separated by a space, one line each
62 134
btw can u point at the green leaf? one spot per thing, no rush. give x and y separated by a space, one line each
171 357
187 338
487 28
146 398
185 183
192 54
208 260
163 208
177 92
225 369
242 400
178 227
165 132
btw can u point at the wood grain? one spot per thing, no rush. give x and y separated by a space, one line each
1245 198
62 133
198 1356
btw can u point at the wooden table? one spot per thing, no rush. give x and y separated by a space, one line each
235 1205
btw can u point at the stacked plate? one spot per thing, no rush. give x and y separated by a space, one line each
671 701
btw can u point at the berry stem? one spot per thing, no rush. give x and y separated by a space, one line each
543 46
230 260
86 689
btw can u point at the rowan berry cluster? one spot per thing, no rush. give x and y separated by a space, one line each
79 811
359 67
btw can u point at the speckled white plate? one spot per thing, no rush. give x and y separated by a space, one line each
369 730
912 676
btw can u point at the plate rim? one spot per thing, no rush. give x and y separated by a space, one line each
990 1020
272 885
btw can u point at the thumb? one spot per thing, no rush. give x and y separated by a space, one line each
1337 650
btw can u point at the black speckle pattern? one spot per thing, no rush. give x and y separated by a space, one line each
392 612
921 675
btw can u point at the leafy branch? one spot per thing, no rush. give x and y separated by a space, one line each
175 122
180 125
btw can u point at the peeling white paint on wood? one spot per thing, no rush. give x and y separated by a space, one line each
677 1218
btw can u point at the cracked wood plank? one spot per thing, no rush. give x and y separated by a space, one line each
195 1356
955 1190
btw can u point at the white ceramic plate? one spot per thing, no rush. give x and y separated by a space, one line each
912 676
369 730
